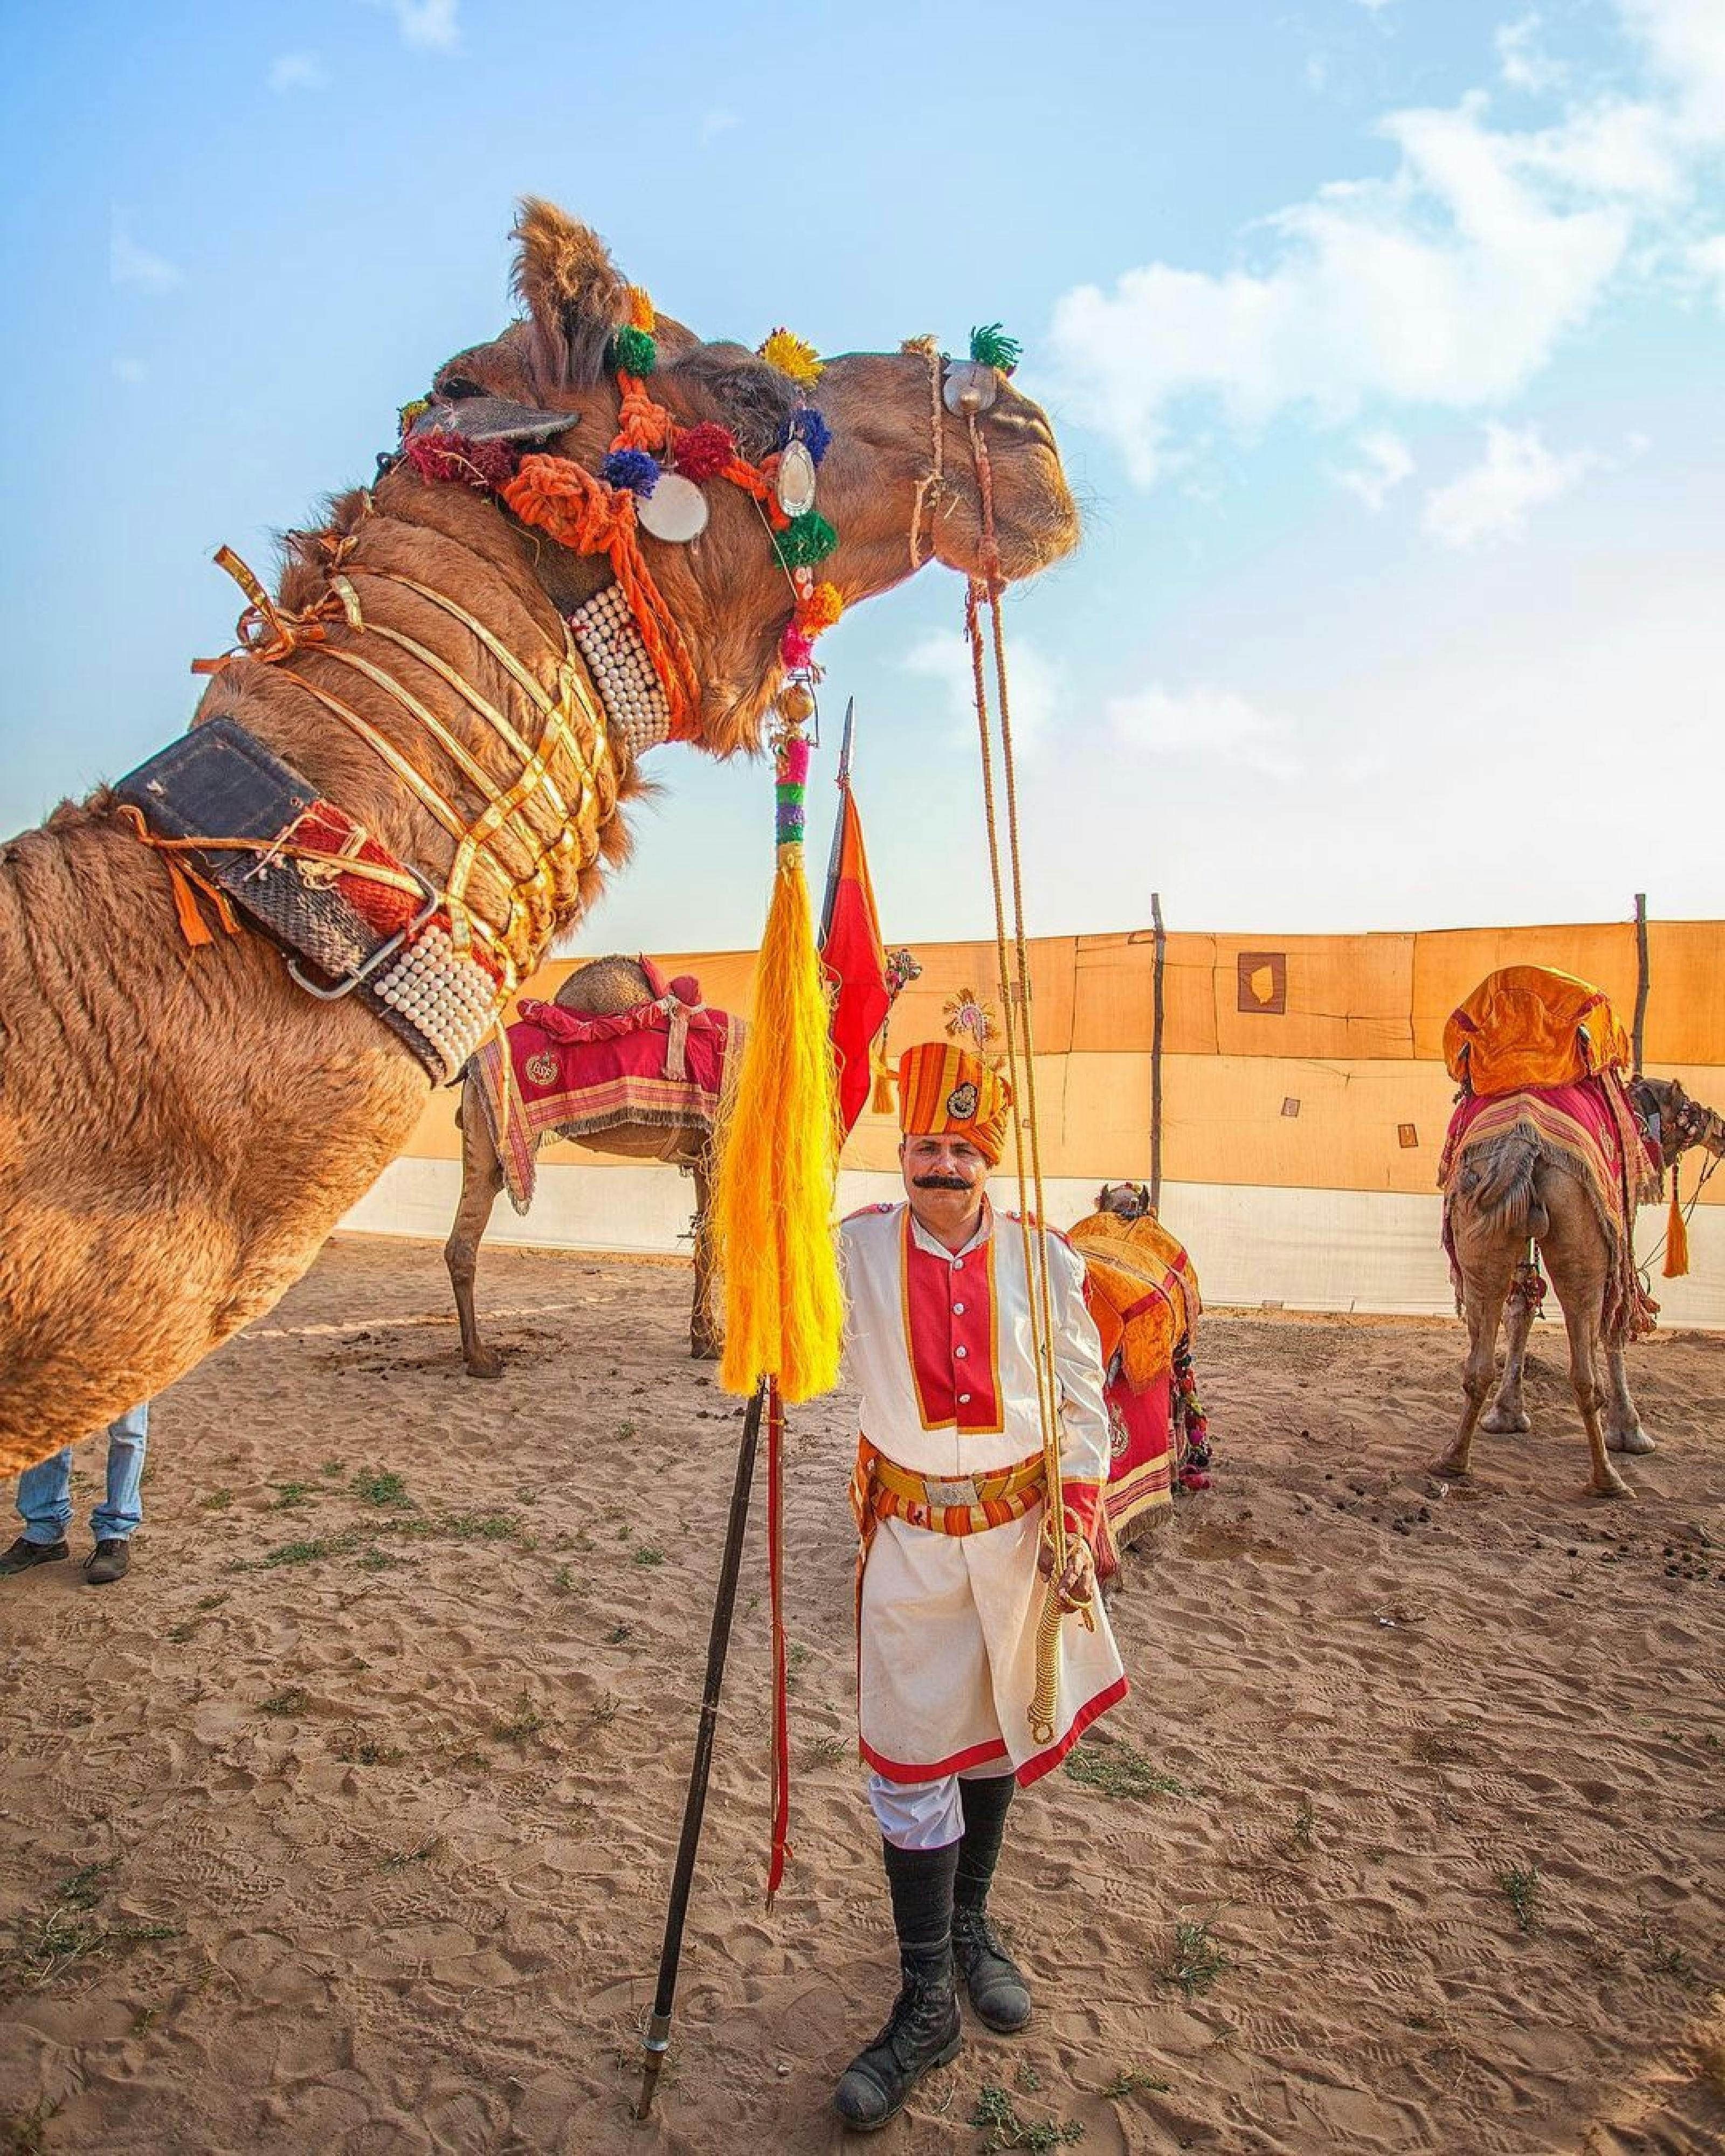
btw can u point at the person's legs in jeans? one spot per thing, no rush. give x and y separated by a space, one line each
44 1499
117 1517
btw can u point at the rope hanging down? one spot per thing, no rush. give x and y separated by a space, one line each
1018 1026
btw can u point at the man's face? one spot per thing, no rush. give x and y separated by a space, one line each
943 1176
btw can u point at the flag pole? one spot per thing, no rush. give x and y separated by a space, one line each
656 2042
841 779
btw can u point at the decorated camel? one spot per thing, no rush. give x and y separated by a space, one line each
598 533
1551 1150
1142 1291
596 1092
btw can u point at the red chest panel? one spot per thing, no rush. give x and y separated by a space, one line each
950 1335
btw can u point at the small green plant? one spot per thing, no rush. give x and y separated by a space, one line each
1027 2080
563 1580
521 1724
212 1601
617 1635
381 1486
625 1430
378 1560
399 1858
216 1500
289 1701
826 1752
53 1939
604 1712
996 2118
1131 2081
1305 1824
1667 1957
1120 1770
145 2019
179 1634
289 1495
1195 1962
21 2132
334 1467
1519 1885
312 1551
644 1553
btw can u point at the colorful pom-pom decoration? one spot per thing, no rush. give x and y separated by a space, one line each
410 412
633 352
705 450
991 347
804 541
806 425
796 648
441 454
633 469
791 356
641 315
819 610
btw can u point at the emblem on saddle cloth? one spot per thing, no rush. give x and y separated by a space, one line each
543 1068
316 884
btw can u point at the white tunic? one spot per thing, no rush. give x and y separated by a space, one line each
939 1344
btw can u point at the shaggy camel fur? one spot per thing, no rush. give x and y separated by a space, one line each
180 1130
1508 1197
598 989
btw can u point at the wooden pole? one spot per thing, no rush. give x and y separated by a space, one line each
657 2041
1642 978
1161 961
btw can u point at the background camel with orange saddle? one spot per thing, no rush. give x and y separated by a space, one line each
622 1061
1551 1147
1142 1291
409 777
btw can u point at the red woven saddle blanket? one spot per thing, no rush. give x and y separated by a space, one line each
662 1066
1589 1128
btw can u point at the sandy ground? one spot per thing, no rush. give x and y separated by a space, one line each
382 1795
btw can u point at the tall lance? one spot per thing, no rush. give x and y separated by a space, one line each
771 1216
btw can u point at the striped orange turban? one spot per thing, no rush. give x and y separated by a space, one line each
948 1092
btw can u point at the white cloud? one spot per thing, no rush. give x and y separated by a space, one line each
1707 259
428 24
1388 462
1451 281
128 263
1491 498
292 71
129 370
1685 41
1204 722
943 655
1522 59
719 121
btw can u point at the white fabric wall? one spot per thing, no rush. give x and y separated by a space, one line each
1296 1249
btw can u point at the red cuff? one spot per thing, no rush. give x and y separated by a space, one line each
1080 1502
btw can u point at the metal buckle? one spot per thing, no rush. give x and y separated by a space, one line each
360 974
964 1492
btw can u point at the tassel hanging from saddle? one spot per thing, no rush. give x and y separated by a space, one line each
1677 1236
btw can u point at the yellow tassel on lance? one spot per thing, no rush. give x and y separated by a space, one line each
881 1100
1676 1237
773 1202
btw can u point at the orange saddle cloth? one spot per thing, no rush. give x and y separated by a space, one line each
1529 1025
1141 1289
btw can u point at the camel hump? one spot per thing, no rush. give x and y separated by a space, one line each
603 987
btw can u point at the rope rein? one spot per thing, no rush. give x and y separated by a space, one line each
1012 960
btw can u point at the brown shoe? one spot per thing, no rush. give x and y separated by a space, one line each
23 1554
107 1562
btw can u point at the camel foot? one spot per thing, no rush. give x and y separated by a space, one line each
1613 1486
1449 1467
485 1363
1629 1440
1505 1422
704 1351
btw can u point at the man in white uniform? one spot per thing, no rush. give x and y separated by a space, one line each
951 1499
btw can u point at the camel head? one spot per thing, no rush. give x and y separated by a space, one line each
1679 1122
1130 1200
900 481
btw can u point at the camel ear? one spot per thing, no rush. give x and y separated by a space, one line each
574 297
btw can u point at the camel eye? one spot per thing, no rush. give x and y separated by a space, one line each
458 385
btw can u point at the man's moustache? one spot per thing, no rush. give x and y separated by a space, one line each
940 1182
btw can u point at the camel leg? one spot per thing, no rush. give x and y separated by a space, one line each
1507 1414
1485 1287
481 1179
1578 1261
704 1343
1623 1425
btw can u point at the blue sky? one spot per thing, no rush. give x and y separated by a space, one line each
1385 341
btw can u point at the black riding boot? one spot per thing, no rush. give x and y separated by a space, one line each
997 1987
923 2030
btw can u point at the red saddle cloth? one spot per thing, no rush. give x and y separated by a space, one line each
662 1064
1590 1129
